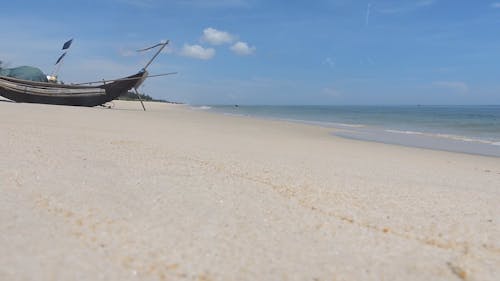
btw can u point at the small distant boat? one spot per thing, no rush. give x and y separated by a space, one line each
51 92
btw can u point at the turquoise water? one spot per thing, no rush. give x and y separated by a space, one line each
469 129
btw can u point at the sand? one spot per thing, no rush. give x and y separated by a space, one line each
181 194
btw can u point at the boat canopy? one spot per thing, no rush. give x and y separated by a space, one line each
25 73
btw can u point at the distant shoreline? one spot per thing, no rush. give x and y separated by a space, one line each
432 127
131 96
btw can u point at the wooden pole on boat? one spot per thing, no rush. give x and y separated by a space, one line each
163 44
140 99
123 79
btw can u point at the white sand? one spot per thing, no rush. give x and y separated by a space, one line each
178 194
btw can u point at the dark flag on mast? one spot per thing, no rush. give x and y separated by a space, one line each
59 61
67 44
60 58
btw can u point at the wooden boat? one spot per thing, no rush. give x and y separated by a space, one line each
20 90
52 93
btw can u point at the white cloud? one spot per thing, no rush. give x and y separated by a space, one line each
242 49
197 52
330 62
216 37
495 5
455 86
367 18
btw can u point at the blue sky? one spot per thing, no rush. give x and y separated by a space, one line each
270 52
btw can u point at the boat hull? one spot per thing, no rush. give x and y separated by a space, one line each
48 93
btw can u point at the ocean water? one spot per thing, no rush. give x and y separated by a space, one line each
467 129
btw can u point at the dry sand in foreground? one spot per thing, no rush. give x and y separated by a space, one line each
179 194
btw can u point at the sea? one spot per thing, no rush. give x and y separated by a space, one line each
466 129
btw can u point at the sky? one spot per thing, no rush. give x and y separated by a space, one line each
255 52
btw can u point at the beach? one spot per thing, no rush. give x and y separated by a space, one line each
176 193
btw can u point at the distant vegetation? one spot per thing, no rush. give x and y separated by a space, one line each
132 96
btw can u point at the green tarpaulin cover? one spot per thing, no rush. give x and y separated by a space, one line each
25 73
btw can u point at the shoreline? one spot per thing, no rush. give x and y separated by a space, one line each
419 138
179 194
490 151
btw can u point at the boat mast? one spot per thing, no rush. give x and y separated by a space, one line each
162 45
